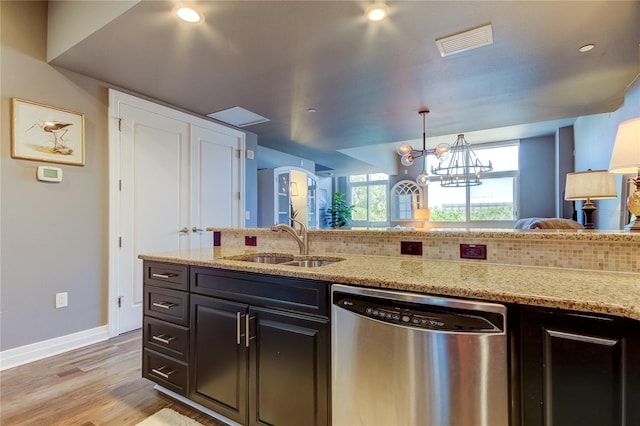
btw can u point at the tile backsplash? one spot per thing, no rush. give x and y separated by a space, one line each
590 251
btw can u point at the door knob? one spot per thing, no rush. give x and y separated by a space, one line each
194 229
185 230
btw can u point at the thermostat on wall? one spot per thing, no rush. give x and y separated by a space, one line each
49 174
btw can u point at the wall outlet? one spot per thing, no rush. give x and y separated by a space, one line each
62 300
411 247
473 251
250 241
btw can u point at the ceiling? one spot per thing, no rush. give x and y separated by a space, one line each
367 80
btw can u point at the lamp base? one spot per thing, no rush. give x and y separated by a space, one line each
633 226
633 204
588 208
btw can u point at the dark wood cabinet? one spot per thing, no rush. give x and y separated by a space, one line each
219 365
578 369
288 369
165 332
254 361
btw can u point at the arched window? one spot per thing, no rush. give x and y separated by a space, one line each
406 196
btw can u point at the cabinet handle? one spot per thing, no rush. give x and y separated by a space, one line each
165 276
238 331
582 338
163 338
164 305
247 335
161 373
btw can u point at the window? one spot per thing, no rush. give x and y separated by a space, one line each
492 204
368 193
406 196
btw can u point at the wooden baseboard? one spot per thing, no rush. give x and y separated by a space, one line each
39 350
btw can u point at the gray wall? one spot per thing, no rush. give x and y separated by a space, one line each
53 236
537 177
594 139
251 181
565 148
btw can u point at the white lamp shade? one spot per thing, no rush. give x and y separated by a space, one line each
626 151
590 184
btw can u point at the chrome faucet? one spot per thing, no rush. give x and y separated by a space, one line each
301 237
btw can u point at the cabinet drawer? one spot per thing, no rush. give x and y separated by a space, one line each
167 338
292 294
168 275
165 304
165 371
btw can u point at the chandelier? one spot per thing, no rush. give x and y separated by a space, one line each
461 166
458 165
409 154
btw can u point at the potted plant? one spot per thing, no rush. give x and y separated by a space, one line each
340 211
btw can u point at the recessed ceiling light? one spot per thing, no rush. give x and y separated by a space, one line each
188 15
376 12
587 47
312 110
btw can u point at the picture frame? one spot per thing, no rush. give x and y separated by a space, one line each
46 133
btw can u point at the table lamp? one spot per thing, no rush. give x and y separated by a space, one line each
626 159
590 185
422 214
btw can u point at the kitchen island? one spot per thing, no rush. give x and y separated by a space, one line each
574 332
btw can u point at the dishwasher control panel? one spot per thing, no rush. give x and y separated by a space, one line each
421 316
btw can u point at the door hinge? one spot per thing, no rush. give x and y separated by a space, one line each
238 153
120 120
119 301
119 242
238 195
120 185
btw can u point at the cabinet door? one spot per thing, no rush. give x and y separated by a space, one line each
579 370
219 356
288 369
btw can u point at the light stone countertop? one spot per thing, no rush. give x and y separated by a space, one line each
612 293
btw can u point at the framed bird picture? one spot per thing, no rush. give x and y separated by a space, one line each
45 133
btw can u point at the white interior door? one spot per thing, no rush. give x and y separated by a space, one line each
154 161
171 175
216 176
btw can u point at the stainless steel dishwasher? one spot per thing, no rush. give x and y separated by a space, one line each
406 359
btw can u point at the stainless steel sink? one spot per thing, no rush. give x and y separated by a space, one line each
265 258
310 263
288 260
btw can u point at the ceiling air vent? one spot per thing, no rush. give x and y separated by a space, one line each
467 40
238 116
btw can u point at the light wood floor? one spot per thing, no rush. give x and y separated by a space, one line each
97 385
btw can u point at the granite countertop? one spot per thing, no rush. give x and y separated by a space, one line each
612 293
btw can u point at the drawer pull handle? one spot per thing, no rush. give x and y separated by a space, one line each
165 276
161 373
163 338
164 305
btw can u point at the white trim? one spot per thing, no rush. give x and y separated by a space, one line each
39 350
